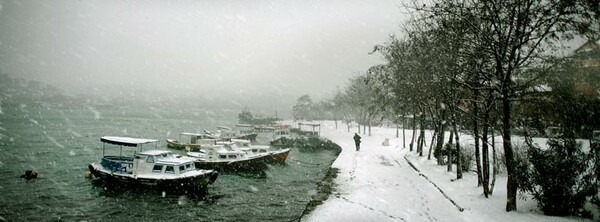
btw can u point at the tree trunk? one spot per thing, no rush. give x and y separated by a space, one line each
423 132
511 184
403 132
476 134
358 128
412 141
397 129
420 144
441 134
421 141
369 128
348 124
486 156
458 160
435 131
494 166
485 147
451 139
449 151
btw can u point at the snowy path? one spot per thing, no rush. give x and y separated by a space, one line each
377 184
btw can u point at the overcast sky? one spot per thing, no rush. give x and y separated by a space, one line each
296 47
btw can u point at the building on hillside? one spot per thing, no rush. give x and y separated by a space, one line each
588 54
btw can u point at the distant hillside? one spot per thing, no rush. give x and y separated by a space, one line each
15 91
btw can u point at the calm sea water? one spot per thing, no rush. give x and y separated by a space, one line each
59 141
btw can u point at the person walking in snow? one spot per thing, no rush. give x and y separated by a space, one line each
357 141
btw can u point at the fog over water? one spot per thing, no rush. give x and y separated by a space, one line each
281 49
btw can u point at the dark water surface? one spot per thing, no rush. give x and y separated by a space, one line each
59 141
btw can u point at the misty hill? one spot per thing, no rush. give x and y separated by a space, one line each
262 102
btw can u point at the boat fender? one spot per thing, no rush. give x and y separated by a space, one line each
30 174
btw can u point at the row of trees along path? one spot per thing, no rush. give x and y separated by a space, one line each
462 62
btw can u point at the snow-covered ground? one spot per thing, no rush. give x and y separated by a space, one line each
378 184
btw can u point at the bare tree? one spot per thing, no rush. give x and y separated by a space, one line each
515 33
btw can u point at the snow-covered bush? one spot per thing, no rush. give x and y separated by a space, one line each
559 178
467 156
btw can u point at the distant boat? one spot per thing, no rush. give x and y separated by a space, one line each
283 132
262 128
224 133
282 137
245 128
154 168
196 141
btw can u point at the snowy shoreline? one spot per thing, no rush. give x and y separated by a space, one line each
377 183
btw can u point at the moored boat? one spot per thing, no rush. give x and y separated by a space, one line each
196 141
277 155
153 168
224 133
227 157
282 133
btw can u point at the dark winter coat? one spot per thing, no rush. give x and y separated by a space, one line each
356 138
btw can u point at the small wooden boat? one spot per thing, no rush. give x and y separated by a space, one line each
224 133
154 168
196 141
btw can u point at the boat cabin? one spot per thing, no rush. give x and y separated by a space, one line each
224 151
224 132
162 162
198 138
279 133
246 145
282 133
144 162
314 132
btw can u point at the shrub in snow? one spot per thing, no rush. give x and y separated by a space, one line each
467 157
595 156
559 178
440 152
523 168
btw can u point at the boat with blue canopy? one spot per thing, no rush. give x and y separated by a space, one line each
161 169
